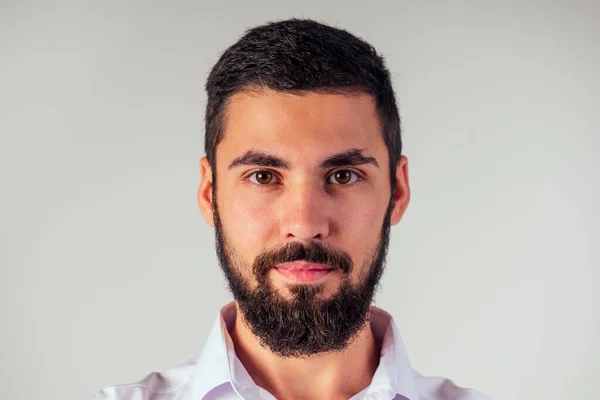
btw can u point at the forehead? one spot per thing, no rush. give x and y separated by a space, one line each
300 125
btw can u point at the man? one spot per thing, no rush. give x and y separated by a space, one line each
302 179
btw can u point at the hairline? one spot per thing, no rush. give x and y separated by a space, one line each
256 88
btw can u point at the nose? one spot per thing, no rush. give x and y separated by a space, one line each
304 212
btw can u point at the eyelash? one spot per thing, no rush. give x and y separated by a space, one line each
359 177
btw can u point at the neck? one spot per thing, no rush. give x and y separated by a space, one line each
336 375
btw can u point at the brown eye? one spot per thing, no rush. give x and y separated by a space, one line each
343 177
262 177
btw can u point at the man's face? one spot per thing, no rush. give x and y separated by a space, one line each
302 207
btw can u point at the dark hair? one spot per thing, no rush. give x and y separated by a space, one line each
300 55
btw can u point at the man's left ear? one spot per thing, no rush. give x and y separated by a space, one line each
402 197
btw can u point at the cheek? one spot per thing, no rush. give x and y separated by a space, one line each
360 217
248 223
360 230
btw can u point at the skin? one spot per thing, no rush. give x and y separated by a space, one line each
303 202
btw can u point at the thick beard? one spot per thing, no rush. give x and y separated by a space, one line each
305 325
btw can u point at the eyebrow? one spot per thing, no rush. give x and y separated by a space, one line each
346 158
350 157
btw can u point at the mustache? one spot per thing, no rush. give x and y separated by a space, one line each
295 251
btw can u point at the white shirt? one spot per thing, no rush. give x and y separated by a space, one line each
219 374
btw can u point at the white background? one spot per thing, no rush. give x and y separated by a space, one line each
108 271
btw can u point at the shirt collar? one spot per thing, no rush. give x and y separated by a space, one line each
212 368
394 372
218 364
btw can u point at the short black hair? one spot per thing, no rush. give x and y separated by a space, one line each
297 56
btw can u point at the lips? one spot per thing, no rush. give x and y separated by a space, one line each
302 265
302 271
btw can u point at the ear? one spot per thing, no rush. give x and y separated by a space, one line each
205 199
402 197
